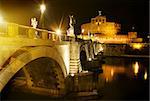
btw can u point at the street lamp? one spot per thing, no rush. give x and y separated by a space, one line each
42 8
58 32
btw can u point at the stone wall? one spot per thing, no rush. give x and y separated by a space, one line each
114 49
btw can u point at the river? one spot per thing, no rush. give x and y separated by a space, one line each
125 79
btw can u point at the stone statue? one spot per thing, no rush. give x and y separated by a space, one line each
71 21
100 13
34 22
70 31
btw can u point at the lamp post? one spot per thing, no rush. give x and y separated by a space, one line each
42 8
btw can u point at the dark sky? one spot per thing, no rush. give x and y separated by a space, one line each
126 12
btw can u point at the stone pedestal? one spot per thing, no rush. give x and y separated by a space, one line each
75 65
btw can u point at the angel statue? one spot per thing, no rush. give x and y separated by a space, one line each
70 31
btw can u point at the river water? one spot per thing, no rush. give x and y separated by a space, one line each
125 79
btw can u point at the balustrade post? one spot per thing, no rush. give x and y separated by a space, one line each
12 30
32 33
54 37
44 35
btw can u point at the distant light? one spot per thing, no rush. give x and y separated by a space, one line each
82 31
72 74
58 32
137 46
43 8
90 59
96 53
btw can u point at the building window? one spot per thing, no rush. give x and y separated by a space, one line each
99 20
92 21
103 21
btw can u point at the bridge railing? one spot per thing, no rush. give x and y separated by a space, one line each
16 30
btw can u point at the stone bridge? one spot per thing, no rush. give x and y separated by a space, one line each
41 59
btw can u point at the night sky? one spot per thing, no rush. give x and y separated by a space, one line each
126 12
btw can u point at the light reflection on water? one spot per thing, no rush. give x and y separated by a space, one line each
109 71
133 68
136 68
125 78
145 75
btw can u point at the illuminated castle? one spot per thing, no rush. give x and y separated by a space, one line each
107 32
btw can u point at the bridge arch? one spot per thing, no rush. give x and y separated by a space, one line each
24 57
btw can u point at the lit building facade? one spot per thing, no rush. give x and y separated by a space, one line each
101 26
106 32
